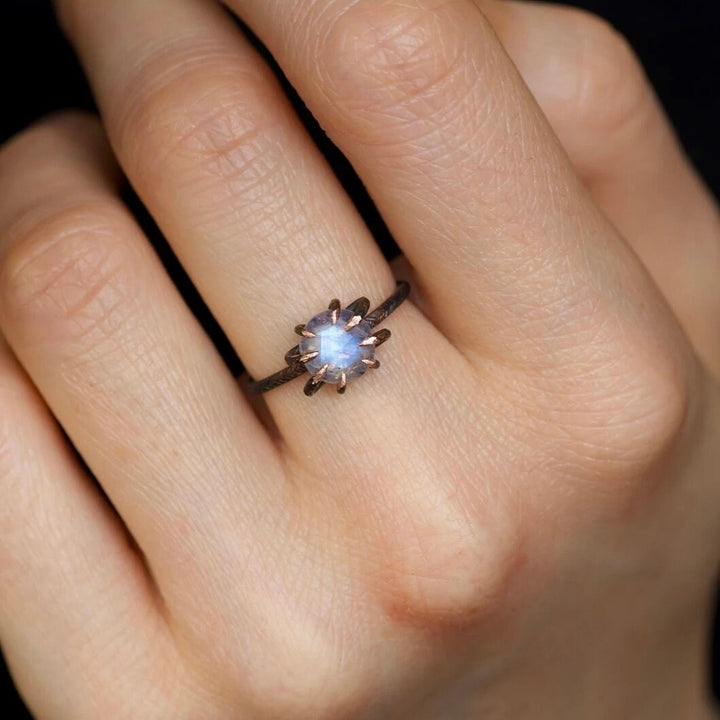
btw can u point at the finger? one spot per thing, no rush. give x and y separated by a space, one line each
593 90
478 192
247 201
124 366
77 610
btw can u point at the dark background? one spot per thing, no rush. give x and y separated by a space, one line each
677 42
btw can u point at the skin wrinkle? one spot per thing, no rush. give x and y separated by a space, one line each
82 382
166 63
70 285
215 130
240 171
136 356
267 215
52 213
406 110
280 213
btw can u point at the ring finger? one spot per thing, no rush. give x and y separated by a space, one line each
246 199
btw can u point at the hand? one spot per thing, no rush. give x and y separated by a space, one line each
516 516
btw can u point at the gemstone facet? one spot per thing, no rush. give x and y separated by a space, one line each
336 347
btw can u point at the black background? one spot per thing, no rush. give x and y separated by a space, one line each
677 42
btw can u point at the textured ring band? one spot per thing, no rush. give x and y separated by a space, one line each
336 345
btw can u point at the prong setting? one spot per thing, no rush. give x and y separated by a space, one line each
320 374
334 308
336 345
331 343
359 306
311 387
381 336
377 339
354 321
301 330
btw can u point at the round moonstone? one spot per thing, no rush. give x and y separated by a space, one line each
339 349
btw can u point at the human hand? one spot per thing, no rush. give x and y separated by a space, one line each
516 516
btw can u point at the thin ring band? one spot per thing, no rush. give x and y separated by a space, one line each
357 326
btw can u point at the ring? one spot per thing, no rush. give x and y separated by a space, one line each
337 345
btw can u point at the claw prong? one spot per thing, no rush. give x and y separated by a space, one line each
377 339
300 330
311 387
320 374
352 322
359 306
335 307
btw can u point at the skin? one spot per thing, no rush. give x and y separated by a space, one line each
516 516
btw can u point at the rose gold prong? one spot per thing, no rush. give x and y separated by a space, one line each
335 307
377 339
372 362
352 322
309 356
300 330
320 374
359 307
311 387
342 385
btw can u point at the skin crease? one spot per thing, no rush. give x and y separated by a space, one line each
516 516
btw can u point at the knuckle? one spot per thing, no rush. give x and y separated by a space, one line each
394 53
613 417
648 405
65 274
661 408
610 87
220 132
447 568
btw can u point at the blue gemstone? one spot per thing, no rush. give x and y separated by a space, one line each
338 348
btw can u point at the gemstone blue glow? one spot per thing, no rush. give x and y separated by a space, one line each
339 349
